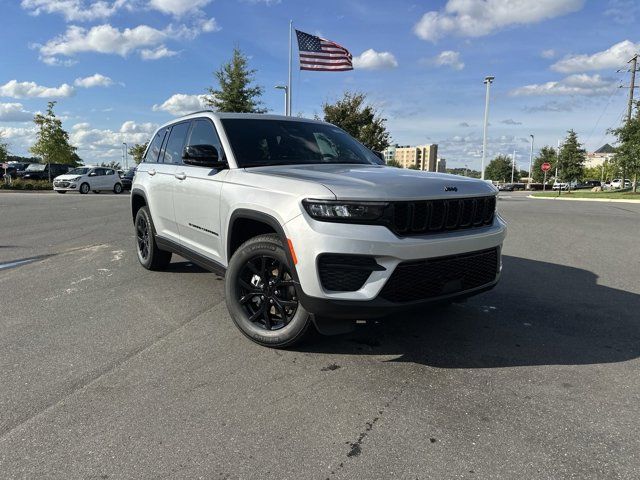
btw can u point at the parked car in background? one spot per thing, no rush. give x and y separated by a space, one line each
617 183
14 169
588 184
565 185
127 178
40 171
86 179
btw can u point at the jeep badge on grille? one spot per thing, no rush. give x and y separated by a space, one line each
449 188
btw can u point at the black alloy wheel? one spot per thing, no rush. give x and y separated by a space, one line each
267 293
143 238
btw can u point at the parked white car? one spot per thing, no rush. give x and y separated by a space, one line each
617 183
86 179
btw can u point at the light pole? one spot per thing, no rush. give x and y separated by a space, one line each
513 166
125 156
487 81
530 161
286 98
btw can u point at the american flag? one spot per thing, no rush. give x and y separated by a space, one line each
322 55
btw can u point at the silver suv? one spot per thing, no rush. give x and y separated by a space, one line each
308 228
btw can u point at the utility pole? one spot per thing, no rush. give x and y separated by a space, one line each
513 166
531 161
487 81
632 85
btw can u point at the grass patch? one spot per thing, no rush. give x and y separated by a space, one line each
621 195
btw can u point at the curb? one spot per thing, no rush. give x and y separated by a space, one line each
8 190
605 200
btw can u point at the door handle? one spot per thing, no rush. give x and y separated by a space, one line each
151 172
180 175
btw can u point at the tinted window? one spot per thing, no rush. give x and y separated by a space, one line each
99 171
258 142
175 144
154 148
108 171
204 133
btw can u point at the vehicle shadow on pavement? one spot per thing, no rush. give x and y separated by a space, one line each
184 266
539 314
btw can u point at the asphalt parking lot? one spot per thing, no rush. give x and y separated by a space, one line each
109 371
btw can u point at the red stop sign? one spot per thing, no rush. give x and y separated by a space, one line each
546 166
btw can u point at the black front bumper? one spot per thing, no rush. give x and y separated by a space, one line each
379 307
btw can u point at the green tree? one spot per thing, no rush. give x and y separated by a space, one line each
627 155
112 164
499 169
52 141
4 149
571 158
137 151
358 119
393 163
236 92
546 155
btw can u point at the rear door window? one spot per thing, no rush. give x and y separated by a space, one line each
175 144
154 149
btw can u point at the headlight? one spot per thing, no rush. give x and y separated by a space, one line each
341 211
74 179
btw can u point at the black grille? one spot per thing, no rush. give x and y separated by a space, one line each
345 273
436 277
434 216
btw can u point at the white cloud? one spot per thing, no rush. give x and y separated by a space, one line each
178 7
469 18
510 121
578 84
95 80
15 89
106 39
14 112
614 57
156 53
181 104
550 53
74 10
95 143
449 58
372 60
132 127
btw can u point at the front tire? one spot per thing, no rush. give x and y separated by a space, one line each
117 188
84 188
262 296
149 255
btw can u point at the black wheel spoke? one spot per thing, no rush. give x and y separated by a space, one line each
248 297
267 318
257 314
288 303
246 285
282 312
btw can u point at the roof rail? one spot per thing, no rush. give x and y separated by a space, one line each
199 111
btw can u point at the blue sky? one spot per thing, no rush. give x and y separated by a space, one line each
119 68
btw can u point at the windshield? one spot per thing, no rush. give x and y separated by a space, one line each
262 142
36 167
78 171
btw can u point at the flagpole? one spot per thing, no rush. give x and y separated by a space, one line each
288 109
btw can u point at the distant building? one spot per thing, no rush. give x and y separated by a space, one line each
421 157
442 165
597 158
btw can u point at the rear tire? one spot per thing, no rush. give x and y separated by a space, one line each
149 255
262 296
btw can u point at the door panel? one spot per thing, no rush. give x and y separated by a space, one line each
196 196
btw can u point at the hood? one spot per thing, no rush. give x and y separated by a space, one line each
66 176
377 182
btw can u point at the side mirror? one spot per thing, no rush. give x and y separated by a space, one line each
202 156
380 155
92 174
